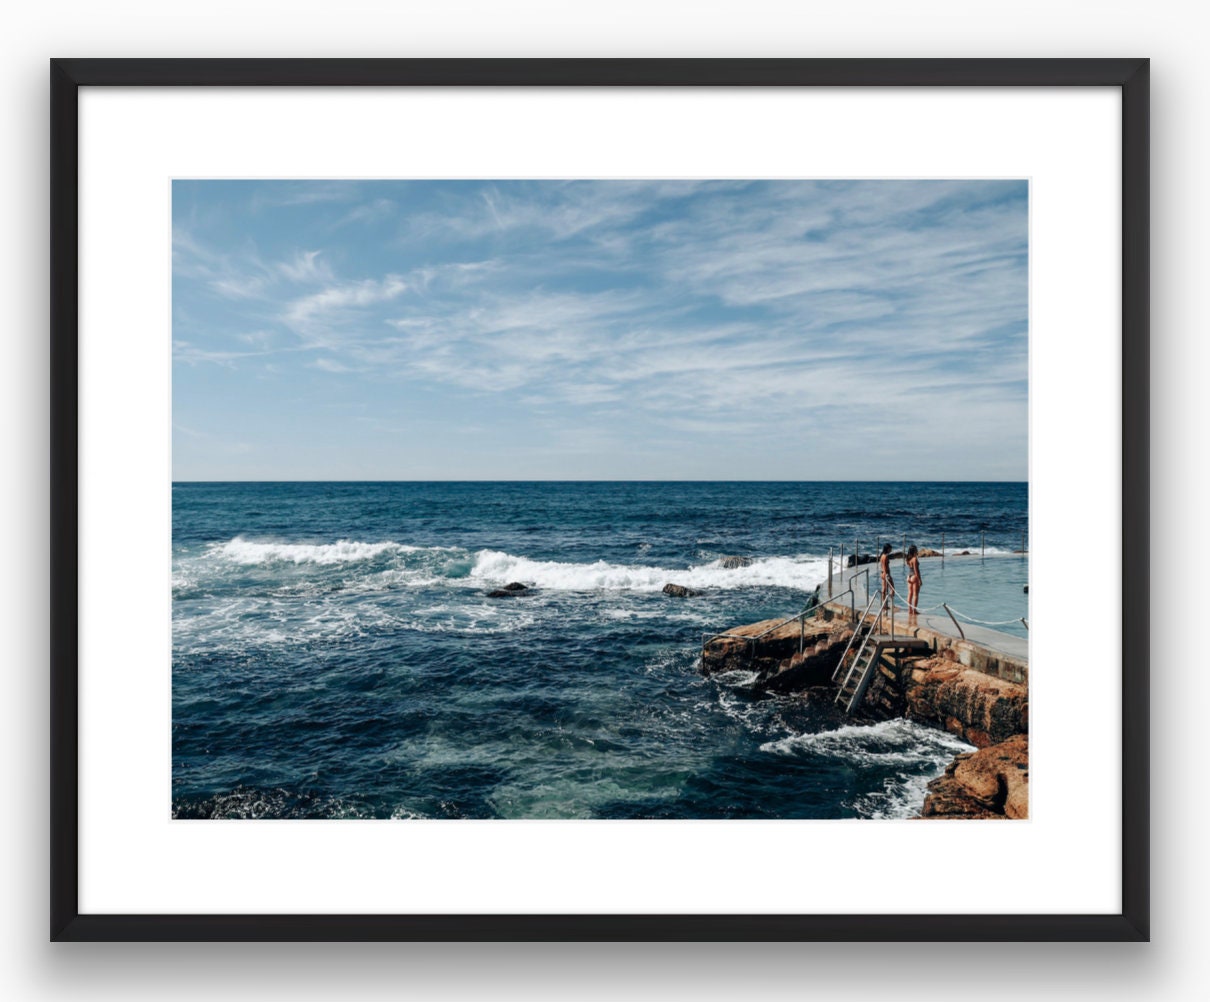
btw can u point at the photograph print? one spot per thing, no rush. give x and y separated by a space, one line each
600 499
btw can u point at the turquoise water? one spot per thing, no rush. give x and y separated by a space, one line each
991 590
336 652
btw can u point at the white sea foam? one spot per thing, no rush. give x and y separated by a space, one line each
802 573
760 716
343 551
972 549
737 678
258 592
416 566
183 585
891 742
246 626
899 797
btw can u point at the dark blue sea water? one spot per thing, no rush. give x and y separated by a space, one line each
335 654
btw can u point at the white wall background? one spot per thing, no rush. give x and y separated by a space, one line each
1168 31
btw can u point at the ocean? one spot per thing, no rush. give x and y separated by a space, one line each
336 653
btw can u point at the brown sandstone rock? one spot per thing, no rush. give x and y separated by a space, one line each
777 641
981 709
814 666
990 783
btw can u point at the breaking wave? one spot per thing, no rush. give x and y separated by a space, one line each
778 572
343 551
897 742
911 754
389 564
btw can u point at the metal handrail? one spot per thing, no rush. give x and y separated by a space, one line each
983 622
856 574
839 553
956 623
888 602
904 607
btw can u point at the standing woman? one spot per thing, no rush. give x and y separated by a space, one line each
884 572
913 567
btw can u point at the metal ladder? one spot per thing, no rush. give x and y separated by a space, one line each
861 672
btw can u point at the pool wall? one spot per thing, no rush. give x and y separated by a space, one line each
970 653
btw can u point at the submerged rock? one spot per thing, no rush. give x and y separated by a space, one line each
730 563
680 591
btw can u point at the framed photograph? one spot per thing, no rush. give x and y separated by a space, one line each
599 499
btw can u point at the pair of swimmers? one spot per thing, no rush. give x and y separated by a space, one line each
914 580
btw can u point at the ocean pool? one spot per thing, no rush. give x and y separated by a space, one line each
990 589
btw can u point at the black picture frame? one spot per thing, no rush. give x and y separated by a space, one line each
67 76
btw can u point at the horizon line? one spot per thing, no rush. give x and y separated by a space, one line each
520 480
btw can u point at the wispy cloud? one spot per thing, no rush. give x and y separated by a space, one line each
373 211
306 267
289 194
334 317
709 310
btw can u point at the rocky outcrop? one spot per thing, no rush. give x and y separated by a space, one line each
680 591
730 563
981 709
990 783
772 648
952 688
814 665
509 590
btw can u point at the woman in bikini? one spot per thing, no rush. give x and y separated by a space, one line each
913 567
886 582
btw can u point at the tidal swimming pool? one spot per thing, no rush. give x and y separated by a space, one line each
990 589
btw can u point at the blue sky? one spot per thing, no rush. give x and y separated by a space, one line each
484 330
